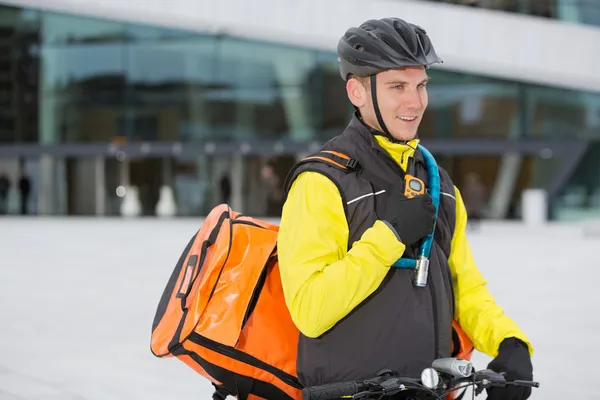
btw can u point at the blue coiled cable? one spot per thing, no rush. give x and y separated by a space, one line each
433 175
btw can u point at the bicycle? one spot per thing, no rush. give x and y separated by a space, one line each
444 378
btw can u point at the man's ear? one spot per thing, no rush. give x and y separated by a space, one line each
357 93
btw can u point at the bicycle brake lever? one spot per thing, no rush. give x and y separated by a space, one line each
392 386
487 378
494 378
524 383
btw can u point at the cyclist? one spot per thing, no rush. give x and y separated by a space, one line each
343 227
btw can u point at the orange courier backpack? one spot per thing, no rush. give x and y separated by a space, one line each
223 312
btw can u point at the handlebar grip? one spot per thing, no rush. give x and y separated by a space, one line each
332 391
526 383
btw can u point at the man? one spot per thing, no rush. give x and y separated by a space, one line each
474 196
4 189
343 228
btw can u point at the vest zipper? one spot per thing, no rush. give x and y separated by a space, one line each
451 289
393 162
430 284
435 317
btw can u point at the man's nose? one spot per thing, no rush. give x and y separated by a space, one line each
414 100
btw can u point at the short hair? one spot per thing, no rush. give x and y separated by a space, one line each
363 80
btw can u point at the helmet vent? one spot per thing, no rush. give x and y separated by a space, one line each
408 36
426 44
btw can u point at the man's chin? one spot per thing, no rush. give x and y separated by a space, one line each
404 136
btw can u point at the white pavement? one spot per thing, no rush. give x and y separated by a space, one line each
78 296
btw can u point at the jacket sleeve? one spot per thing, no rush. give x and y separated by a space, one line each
322 281
481 318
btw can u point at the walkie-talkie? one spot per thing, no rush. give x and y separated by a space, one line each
413 186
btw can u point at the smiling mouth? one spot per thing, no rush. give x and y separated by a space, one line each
407 119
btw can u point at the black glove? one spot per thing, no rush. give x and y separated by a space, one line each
513 359
411 218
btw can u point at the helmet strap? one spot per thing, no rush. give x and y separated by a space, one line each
384 128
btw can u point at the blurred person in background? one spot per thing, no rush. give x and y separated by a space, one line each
342 228
4 188
273 190
25 190
474 195
225 187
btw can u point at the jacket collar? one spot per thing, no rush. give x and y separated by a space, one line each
377 141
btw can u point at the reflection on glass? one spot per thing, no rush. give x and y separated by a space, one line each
330 105
168 87
151 33
83 90
261 80
19 63
469 106
576 11
104 80
81 67
71 29
561 113
580 199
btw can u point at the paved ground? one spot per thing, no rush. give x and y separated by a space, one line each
77 299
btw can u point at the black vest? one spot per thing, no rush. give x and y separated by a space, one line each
400 326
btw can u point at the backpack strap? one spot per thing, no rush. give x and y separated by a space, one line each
339 161
243 384
335 159
220 392
243 387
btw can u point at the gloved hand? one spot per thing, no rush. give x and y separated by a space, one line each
411 218
513 359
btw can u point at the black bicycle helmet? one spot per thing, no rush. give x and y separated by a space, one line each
382 44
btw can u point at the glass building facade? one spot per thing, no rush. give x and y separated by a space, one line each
69 81
576 11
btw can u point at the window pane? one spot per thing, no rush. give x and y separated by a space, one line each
19 64
62 28
563 113
577 11
263 89
330 104
169 85
151 33
463 105
580 198
83 92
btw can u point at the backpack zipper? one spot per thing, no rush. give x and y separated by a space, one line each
242 222
257 288
262 278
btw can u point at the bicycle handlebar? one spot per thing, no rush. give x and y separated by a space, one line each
389 384
333 391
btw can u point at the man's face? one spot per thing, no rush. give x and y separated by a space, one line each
402 99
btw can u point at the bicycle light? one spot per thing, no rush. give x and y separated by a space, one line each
453 366
430 378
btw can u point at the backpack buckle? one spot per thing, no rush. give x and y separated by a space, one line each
353 164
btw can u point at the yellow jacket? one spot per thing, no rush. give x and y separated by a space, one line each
323 281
